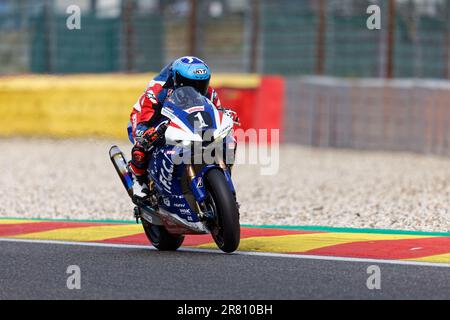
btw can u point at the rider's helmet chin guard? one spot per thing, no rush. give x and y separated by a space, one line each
191 72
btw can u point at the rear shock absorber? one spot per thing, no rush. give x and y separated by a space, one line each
120 163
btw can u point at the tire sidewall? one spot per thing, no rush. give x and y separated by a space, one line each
161 239
225 203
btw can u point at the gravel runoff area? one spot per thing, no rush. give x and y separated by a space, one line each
74 179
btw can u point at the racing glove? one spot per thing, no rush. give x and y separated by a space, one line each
152 137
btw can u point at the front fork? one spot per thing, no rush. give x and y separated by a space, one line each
190 172
198 189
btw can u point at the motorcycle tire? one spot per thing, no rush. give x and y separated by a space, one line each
226 230
160 238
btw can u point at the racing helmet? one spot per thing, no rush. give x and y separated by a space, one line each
191 72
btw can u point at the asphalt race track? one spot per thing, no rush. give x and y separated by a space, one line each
38 271
116 261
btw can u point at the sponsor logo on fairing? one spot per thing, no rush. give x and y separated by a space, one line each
166 175
168 113
195 109
166 201
185 211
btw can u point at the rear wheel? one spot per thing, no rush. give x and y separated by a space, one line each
160 238
225 228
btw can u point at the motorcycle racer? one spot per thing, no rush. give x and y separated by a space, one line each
146 113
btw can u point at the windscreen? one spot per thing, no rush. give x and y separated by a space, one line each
186 97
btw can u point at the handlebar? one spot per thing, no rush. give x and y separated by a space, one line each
232 114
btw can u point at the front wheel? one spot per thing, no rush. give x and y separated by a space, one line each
225 229
160 238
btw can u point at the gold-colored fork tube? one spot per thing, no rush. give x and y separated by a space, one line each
191 174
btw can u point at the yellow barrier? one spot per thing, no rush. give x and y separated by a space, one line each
80 105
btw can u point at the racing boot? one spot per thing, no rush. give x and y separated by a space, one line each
138 167
141 191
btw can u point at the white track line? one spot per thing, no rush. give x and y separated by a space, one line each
240 253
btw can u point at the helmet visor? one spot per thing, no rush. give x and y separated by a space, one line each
200 85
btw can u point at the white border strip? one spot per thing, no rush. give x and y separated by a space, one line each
240 253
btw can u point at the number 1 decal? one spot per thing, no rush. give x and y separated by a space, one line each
201 120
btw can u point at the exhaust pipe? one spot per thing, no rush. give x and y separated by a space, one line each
121 164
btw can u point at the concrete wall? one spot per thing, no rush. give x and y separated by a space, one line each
399 115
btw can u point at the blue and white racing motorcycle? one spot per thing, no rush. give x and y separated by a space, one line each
190 174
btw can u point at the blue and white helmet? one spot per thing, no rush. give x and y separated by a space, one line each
191 72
